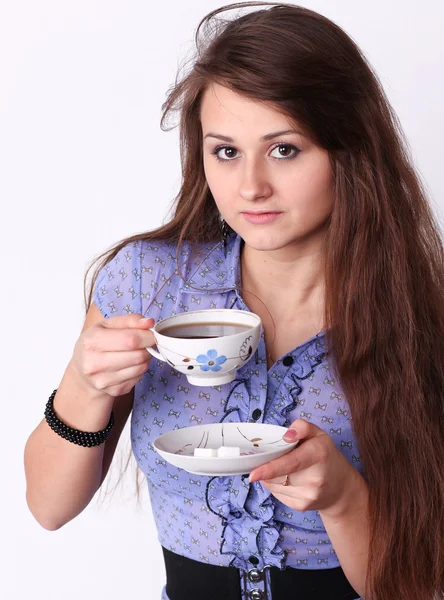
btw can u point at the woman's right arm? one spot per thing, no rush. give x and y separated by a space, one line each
109 358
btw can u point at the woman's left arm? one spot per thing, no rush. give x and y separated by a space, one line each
347 528
321 478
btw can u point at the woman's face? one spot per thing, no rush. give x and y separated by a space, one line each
275 191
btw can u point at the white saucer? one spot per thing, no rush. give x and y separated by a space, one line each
258 443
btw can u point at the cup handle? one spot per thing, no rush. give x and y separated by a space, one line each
154 352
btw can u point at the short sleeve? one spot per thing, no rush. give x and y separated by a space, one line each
117 288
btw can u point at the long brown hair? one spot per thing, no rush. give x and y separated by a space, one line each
383 262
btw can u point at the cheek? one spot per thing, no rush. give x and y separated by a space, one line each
324 194
217 182
316 190
312 202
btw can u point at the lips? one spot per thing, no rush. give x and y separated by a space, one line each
261 217
260 212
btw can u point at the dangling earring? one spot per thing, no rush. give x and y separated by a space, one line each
224 229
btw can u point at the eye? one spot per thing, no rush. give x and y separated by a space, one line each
286 151
228 150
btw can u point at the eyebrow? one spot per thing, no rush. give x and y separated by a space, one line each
265 138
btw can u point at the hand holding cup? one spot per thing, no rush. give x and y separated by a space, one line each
111 356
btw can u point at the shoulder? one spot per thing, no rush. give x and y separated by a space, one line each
120 283
192 262
170 273
154 276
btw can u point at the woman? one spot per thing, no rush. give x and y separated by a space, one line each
300 203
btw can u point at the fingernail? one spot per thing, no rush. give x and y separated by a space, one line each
291 435
254 477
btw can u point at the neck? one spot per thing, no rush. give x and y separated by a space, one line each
288 285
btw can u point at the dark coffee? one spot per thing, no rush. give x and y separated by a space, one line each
199 331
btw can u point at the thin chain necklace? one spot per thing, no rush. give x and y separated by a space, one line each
267 351
242 292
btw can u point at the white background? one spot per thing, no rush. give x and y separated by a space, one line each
83 164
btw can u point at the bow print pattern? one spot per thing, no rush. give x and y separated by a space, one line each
233 518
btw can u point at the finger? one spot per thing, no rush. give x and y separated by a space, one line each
131 321
104 381
294 480
278 467
302 457
103 339
289 491
277 485
107 362
303 430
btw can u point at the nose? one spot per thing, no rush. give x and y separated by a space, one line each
254 183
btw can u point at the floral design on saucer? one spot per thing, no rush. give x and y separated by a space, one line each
258 443
188 449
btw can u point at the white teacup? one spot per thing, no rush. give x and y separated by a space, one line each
208 346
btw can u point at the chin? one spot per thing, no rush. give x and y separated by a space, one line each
267 241
274 237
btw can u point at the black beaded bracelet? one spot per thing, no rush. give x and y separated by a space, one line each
81 438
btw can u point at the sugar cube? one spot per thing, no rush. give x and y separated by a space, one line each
205 452
228 451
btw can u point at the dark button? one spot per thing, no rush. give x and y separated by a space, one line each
254 560
288 361
256 413
254 575
256 594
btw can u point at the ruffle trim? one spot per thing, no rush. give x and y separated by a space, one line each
248 510
306 359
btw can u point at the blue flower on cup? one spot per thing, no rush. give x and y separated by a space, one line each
210 361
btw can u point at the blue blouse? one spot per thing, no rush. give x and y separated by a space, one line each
222 520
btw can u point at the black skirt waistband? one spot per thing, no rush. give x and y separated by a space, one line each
189 579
